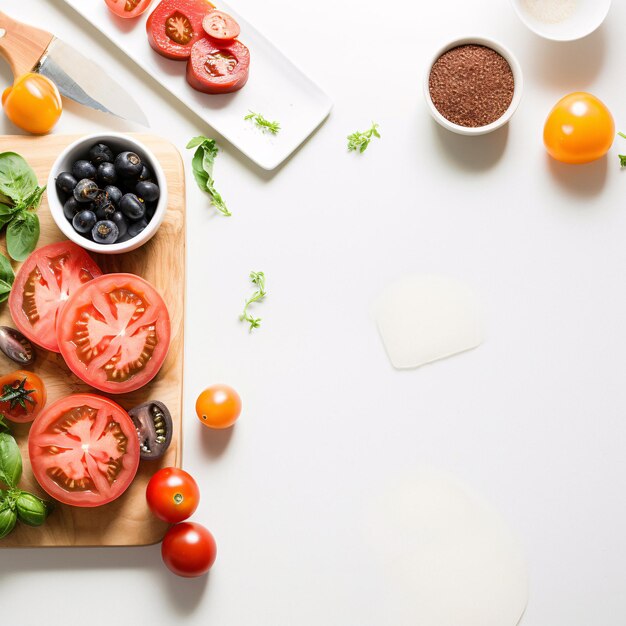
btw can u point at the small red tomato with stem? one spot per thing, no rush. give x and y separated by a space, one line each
188 549
172 495
218 406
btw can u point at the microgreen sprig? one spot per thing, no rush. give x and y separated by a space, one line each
358 141
263 123
258 279
622 157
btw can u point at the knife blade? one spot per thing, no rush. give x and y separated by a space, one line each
85 82
31 49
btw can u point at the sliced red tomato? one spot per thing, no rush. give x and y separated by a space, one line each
42 286
218 67
114 332
175 25
84 450
220 25
128 8
22 396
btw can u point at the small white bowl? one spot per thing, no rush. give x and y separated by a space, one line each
517 93
118 142
586 16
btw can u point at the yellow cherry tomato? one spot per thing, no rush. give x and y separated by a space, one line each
218 406
579 129
33 103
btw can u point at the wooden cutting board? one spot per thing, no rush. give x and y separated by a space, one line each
126 521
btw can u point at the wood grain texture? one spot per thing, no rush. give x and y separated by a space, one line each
161 261
22 45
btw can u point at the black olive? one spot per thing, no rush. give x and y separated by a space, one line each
106 174
121 223
105 231
136 227
71 207
132 207
153 422
16 346
115 195
66 182
84 221
128 165
86 190
147 190
83 169
100 153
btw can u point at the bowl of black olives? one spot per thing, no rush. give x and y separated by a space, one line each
107 193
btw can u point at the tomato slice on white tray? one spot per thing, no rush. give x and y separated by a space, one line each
42 286
84 450
114 332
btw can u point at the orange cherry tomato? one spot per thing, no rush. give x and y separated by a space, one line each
579 129
33 103
218 406
22 396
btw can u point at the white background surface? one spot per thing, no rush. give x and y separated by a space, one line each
534 419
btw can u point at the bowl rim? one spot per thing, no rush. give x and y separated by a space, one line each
532 26
518 79
56 208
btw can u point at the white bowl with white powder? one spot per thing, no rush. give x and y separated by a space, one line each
562 20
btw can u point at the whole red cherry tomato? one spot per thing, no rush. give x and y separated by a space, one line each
172 495
188 549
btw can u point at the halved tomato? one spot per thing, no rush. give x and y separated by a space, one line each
175 25
220 25
114 332
218 66
22 396
84 450
128 8
43 284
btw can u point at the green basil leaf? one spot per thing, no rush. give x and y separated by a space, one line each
196 141
10 460
202 178
7 213
31 510
17 179
22 235
8 518
6 271
34 199
5 290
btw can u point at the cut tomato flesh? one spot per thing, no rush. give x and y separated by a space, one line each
42 286
115 335
218 67
175 25
84 450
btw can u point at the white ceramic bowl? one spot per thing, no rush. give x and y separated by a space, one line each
118 142
517 94
585 17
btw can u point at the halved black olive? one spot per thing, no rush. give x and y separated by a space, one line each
16 346
153 422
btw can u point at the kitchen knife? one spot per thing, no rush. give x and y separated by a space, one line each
30 49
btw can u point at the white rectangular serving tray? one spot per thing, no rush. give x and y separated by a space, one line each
276 88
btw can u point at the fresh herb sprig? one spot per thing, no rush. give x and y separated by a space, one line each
258 279
16 504
263 123
622 157
358 141
202 167
20 196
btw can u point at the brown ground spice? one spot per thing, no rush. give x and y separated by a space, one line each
471 85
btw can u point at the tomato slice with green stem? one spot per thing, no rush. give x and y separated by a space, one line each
175 25
218 66
42 286
128 9
84 450
22 396
220 25
114 332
